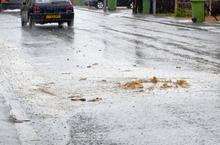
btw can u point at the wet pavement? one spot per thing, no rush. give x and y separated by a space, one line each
44 68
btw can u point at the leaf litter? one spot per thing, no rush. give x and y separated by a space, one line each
137 84
154 82
182 83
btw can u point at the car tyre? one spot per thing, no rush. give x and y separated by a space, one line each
130 6
70 23
23 23
31 22
23 19
99 5
194 20
60 24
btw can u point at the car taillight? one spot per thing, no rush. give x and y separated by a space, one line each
36 8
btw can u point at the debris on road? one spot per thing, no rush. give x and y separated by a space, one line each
182 83
95 100
82 79
104 81
166 85
13 119
154 80
112 79
94 64
65 73
46 91
133 85
90 66
77 98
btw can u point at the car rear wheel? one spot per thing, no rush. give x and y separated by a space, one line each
23 23
130 6
24 18
60 24
31 22
99 5
70 23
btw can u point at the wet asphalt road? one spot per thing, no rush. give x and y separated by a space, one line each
41 68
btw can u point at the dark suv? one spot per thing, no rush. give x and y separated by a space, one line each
47 11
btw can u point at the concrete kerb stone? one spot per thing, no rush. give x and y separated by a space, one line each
170 23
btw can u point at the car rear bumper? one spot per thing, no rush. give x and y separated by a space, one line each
41 17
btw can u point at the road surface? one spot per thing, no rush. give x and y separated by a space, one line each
45 68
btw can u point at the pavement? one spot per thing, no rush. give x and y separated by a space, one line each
67 86
213 26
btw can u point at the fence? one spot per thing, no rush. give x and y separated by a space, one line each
183 8
165 6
